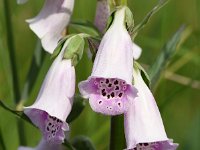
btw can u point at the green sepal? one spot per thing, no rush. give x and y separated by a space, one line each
82 143
19 114
110 20
60 46
143 73
74 49
77 108
93 47
129 19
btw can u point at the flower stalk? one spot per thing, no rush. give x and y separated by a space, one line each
117 139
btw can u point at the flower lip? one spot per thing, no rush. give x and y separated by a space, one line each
161 145
113 63
50 23
51 127
143 123
109 96
55 99
44 145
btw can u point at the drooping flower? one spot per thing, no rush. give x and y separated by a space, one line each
109 87
44 145
144 129
102 14
49 24
54 101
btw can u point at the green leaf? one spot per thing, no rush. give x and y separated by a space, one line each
74 49
82 143
19 114
165 56
78 106
85 27
144 74
147 18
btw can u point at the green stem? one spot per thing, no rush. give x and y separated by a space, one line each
11 49
117 139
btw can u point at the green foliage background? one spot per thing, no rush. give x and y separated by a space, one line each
178 101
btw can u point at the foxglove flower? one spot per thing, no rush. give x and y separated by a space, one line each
54 101
144 128
109 87
102 14
49 24
44 145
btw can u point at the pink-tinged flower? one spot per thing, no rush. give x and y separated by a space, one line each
49 24
102 14
54 101
44 145
109 87
144 129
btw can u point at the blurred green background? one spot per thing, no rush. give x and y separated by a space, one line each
177 94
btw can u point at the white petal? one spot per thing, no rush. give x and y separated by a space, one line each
114 58
51 21
143 123
136 51
102 14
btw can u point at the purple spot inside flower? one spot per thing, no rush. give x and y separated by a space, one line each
52 128
113 94
161 145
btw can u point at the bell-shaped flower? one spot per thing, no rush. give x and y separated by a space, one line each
102 14
144 129
109 87
49 24
55 99
44 145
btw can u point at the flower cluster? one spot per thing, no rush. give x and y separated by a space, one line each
114 87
